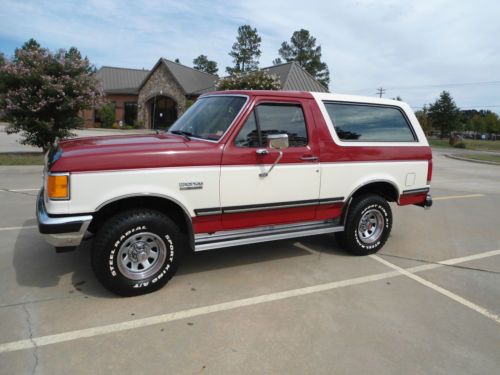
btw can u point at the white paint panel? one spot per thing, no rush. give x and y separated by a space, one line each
92 189
286 182
341 179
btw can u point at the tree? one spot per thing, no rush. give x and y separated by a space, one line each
107 115
245 51
303 50
444 114
177 60
491 124
45 92
257 80
205 65
424 120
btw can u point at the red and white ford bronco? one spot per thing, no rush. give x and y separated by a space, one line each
238 167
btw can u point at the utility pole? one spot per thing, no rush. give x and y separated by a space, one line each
380 91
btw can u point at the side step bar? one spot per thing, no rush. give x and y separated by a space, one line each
263 234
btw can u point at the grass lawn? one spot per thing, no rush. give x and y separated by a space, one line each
21 158
483 157
470 143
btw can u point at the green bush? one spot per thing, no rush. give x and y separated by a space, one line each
460 145
107 115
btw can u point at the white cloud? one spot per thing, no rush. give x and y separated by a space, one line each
366 43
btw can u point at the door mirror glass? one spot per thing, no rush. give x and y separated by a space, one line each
277 141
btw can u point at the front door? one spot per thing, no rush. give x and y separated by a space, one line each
290 192
164 112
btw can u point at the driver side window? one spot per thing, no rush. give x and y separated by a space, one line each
273 119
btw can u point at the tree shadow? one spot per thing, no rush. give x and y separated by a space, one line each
38 265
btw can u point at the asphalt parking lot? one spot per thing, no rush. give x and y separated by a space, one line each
428 303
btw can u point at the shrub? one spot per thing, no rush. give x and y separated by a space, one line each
107 115
460 145
257 80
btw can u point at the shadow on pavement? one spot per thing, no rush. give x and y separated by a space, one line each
38 265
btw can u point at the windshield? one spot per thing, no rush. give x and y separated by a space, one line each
209 117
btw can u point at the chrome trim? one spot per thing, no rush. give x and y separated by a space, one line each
415 191
61 239
69 185
263 234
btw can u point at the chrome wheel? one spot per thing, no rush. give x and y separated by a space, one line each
371 226
141 256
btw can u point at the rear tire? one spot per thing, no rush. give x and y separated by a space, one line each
137 252
367 225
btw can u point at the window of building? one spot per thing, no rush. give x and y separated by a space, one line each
369 123
273 119
130 113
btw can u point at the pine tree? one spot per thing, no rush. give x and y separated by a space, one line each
444 114
303 50
245 51
205 65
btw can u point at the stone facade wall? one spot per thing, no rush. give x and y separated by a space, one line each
162 83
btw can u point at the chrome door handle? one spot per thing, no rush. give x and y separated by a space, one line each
309 158
262 151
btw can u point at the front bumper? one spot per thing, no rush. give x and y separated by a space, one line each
61 231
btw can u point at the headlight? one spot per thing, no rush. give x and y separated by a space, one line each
58 186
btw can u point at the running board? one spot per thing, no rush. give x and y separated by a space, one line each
263 234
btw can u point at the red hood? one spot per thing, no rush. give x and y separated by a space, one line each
135 151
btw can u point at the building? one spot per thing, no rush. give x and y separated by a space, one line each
155 98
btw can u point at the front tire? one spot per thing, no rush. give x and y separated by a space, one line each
367 225
137 252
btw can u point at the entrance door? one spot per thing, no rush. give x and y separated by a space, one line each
290 192
164 112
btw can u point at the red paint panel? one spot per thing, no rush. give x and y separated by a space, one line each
207 224
412 199
135 152
329 211
267 217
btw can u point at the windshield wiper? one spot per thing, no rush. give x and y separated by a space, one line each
182 132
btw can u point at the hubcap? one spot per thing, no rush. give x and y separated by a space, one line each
371 226
141 256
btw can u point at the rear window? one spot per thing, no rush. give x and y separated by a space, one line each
369 123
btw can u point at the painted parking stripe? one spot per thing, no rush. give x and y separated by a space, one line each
19 190
437 288
18 228
458 197
200 311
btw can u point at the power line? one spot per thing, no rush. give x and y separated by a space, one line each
442 85
380 91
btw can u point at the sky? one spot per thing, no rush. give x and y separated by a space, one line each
413 49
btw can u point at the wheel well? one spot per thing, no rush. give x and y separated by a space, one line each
168 207
385 189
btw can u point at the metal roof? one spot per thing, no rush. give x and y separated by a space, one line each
121 80
294 77
190 80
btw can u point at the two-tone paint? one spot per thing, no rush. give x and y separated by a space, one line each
311 183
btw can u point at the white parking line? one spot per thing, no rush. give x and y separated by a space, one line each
437 288
457 197
18 228
19 190
225 306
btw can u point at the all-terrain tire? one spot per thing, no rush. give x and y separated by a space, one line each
137 251
367 225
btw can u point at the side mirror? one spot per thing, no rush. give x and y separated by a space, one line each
277 141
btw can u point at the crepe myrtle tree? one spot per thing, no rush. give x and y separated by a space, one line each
43 92
257 80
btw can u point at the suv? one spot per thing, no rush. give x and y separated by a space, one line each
238 167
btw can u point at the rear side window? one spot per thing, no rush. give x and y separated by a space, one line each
273 119
369 123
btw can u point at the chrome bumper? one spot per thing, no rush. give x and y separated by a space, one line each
65 231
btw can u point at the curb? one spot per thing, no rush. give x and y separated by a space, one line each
451 156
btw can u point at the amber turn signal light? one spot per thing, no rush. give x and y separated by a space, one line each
58 186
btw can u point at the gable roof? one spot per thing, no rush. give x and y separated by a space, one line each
295 78
190 80
120 80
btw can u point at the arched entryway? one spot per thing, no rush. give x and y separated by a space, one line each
163 112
